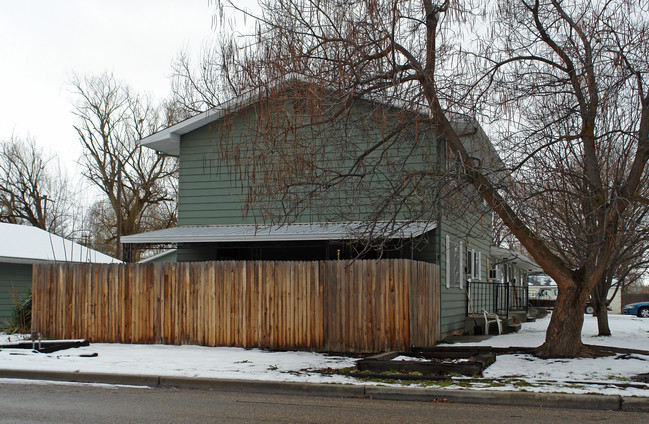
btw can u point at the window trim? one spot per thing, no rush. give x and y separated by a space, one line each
462 273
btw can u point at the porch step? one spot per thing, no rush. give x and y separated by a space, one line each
511 328
518 316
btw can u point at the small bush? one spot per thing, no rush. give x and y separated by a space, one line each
21 315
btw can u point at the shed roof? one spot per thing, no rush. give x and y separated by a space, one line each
288 232
26 244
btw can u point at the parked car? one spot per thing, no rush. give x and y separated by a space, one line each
640 309
590 309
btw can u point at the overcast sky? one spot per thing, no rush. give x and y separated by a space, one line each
43 42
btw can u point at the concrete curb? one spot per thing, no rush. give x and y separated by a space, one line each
530 399
260 386
79 377
492 397
635 404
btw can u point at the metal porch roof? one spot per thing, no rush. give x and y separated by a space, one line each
288 232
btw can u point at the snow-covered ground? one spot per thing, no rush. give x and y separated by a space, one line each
582 375
510 372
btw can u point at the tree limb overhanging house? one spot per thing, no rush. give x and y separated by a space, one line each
237 203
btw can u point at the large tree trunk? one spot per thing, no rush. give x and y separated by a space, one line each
563 337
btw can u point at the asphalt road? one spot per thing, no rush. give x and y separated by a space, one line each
32 402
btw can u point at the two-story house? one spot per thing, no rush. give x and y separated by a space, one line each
297 175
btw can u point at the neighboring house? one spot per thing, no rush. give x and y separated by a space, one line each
511 267
23 246
214 224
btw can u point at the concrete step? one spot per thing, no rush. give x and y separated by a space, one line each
518 316
511 328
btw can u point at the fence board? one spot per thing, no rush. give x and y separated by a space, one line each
343 306
634 298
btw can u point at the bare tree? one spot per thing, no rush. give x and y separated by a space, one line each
137 183
627 265
99 225
575 76
33 188
570 84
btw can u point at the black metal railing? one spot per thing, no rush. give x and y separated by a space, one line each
499 298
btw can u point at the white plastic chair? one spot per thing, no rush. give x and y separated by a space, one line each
489 318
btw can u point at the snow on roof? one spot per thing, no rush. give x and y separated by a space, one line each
26 244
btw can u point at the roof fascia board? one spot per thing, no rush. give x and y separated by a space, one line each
168 140
30 261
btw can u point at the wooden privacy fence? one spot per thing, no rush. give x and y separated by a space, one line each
633 298
340 306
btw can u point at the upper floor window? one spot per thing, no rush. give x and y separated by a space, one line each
454 263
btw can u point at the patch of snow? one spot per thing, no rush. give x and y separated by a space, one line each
409 358
186 361
627 332
579 375
509 372
11 338
418 359
30 244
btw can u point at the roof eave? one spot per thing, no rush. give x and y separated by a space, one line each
276 234
168 140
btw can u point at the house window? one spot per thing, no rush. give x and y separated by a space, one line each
454 265
473 264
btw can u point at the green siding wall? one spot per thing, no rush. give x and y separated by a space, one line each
15 280
473 229
207 194
213 189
